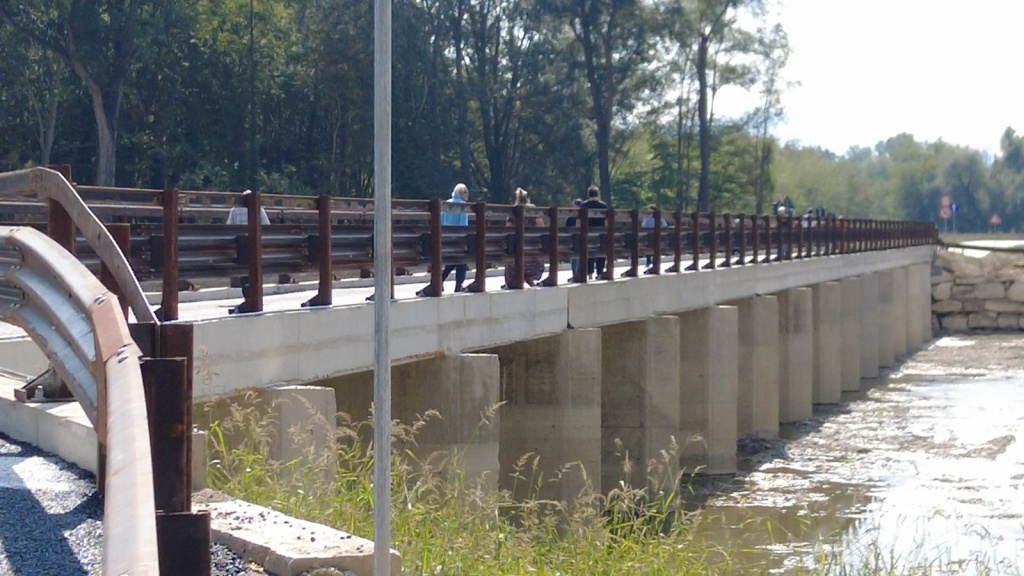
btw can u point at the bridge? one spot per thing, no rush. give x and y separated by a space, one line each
754 321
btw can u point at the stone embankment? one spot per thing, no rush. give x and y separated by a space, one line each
977 293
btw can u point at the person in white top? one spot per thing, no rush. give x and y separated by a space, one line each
239 213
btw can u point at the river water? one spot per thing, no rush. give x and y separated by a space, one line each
922 467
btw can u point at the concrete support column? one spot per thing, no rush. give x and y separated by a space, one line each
758 399
708 376
639 402
924 287
869 326
899 312
551 388
303 426
796 358
827 337
886 340
850 333
464 390
915 332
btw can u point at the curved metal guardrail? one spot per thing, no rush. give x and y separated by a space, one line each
46 184
79 324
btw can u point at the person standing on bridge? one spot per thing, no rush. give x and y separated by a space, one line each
239 214
460 195
595 222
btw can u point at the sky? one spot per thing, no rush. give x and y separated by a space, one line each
871 69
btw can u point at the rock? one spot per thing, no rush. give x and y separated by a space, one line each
947 306
1000 306
990 291
1008 321
954 322
958 264
936 326
942 291
941 276
981 320
963 290
972 305
1016 292
968 279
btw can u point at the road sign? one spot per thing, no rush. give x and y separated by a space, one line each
946 200
995 220
945 213
954 207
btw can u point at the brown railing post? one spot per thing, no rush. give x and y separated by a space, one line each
436 256
743 240
583 267
634 249
183 536
800 233
479 283
656 257
254 301
779 251
122 235
712 241
677 242
609 245
553 225
755 235
695 241
324 254
519 259
789 237
169 260
727 225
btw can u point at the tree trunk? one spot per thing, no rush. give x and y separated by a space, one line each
105 106
704 129
462 103
604 133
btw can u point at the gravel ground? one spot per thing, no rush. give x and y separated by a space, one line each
51 518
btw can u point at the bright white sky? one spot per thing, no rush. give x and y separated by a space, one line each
870 69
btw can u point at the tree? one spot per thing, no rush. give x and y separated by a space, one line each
614 41
99 40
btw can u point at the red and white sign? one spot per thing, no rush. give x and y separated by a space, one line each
995 220
946 200
945 213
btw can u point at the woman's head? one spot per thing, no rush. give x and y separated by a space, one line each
522 197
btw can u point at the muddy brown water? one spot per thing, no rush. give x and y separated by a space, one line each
922 467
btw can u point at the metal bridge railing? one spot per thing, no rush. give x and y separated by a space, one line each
78 323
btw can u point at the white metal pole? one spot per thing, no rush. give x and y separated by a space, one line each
382 287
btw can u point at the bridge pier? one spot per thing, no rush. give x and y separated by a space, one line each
758 388
869 346
886 319
900 313
304 426
551 389
919 287
460 387
796 358
639 401
850 333
827 384
709 385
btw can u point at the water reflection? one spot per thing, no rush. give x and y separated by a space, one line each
919 469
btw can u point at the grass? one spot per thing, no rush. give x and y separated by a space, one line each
444 523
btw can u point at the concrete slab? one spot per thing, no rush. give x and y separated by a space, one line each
283 545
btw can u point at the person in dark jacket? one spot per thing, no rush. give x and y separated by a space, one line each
595 266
